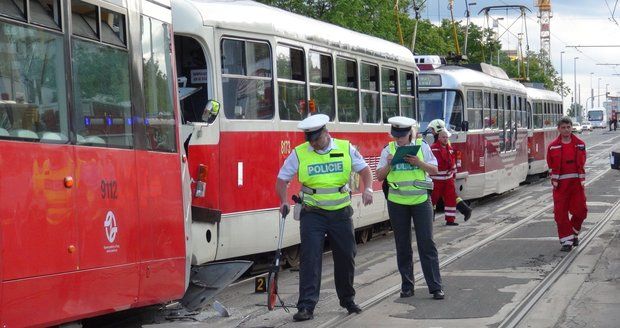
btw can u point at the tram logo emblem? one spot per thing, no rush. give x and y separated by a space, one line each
110 226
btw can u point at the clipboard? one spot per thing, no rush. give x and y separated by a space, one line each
402 151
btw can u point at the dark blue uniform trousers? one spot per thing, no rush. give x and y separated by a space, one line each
400 218
338 227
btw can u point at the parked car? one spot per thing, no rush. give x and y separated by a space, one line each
577 127
586 126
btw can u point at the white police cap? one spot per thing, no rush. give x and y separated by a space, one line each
401 125
313 125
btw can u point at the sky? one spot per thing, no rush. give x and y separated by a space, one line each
574 23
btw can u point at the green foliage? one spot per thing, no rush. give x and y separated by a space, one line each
377 18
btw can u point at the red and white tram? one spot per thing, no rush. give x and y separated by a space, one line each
544 110
270 69
91 206
486 111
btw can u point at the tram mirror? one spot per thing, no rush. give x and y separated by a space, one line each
212 109
464 126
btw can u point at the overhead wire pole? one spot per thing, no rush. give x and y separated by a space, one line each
416 9
400 31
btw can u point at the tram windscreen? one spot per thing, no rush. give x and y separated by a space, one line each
595 115
432 107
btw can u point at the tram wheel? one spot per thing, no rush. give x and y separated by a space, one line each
291 255
363 236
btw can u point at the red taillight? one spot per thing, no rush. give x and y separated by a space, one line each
459 157
201 181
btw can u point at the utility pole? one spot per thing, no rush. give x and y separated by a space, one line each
591 92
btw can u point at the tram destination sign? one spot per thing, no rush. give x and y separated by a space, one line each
429 80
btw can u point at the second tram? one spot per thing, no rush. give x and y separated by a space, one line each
486 111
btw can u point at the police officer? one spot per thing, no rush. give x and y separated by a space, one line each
566 157
434 127
408 198
323 166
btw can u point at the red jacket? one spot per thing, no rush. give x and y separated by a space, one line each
446 161
555 158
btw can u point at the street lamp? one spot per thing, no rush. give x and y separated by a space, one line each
575 90
591 92
598 92
562 77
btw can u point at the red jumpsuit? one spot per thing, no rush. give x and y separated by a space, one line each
443 182
567 168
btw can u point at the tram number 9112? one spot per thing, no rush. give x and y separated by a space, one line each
109 189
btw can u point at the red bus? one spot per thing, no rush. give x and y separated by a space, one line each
92 216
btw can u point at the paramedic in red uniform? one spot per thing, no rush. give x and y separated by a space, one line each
566 157
443 182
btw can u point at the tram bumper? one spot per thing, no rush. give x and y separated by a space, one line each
208 280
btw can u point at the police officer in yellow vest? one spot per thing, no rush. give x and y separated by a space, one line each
408 198
323 166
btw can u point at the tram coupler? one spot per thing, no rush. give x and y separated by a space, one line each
208 280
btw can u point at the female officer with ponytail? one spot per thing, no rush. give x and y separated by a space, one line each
408 199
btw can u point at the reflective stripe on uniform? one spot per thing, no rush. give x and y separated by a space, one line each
409 192
567 176
334 202
441 177
314 191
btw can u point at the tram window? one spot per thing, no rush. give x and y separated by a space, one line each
321 84
246 80
407 92
454 101
346 79
291 83
33 102
156 60
389 91
112 27
474 109
102 98
84 19
13 9
193 78
45 12
528 115
486 113
369 77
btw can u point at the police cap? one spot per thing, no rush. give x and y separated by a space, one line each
401 125
313 126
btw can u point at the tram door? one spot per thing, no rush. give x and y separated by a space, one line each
199 138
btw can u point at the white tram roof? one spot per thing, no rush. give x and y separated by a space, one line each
457 77
543 94
254 17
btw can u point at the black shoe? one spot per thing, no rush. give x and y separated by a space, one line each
566 247
451 224
464 209
408 293
439 294
354 308
303 315
575 241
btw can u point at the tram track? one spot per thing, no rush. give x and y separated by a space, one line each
511 198
528 302
369 303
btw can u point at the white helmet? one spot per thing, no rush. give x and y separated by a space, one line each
437 125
